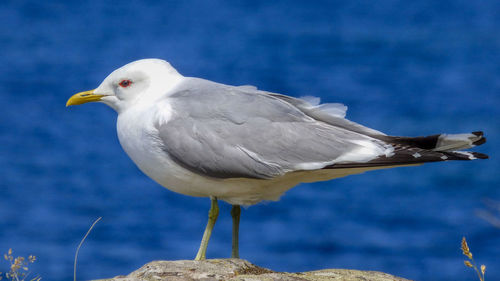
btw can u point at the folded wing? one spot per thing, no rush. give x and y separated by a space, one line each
230 132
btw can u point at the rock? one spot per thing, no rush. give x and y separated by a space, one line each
241 270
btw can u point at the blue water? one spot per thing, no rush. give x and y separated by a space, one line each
402 67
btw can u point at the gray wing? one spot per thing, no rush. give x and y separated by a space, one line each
225 132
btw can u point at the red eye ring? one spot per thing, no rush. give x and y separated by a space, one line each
125 83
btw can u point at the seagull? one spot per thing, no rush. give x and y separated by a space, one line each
243 145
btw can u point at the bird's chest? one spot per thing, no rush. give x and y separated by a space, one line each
140 139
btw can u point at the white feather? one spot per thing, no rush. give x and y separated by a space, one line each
333 109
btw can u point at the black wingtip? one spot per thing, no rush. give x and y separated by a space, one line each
465 155
480 155
481 139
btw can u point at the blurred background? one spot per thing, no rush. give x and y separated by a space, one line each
402 67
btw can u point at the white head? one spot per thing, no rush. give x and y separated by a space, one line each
139 81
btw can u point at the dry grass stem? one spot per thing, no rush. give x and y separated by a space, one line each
471 263
80 245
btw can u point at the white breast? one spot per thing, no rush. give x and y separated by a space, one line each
140 140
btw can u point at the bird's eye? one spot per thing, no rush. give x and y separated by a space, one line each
125 83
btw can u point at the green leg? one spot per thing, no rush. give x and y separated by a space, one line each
235 213
212 217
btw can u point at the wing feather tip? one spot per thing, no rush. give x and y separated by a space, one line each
479 155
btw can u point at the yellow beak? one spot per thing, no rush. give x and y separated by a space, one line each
83 97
